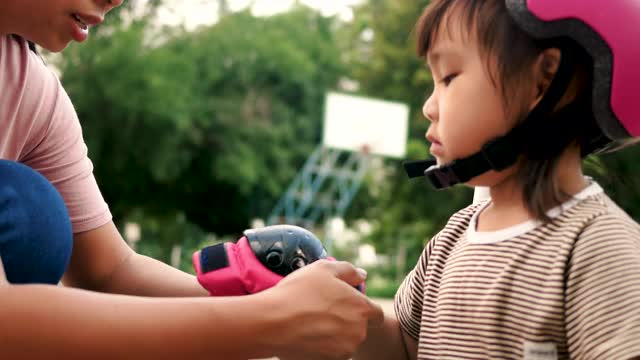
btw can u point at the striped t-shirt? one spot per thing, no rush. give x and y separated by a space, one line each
567 289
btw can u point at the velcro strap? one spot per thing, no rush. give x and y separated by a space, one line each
213 258
417 168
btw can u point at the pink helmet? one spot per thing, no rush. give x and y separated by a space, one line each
610 33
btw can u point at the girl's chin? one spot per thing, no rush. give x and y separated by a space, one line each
442 161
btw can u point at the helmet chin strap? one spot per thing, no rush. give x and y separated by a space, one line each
504 151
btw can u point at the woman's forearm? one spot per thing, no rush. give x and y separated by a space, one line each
39 321
144 276
101 261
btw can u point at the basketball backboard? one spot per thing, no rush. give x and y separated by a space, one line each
357 123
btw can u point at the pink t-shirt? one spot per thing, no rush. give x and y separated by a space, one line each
40 129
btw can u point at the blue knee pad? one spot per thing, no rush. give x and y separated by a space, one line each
35 229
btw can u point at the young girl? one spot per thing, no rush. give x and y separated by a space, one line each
45 214
548 267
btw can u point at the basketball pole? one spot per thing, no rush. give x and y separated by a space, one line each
356 130
322 190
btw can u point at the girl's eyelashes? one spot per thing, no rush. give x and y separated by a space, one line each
448 79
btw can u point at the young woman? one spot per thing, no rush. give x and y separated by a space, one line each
55 225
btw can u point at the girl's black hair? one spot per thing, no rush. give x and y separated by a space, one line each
514 50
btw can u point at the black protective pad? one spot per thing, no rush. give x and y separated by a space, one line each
285 248
594 44
213 258
417 168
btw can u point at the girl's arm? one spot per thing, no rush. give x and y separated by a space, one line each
387 341
41 321
602 289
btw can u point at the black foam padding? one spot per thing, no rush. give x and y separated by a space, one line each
295 246
597 48
213 258
417 168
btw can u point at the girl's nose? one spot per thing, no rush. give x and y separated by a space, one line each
430 108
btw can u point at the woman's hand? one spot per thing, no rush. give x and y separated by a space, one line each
321 314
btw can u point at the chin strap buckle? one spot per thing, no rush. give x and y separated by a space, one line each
442 176
439 176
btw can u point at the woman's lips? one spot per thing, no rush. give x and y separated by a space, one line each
79 30
80 24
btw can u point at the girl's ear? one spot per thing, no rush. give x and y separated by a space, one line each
544 69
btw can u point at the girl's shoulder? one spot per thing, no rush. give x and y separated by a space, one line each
599 220
459 222
613 219
462 217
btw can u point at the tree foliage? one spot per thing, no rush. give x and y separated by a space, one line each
212 123
384 62
207 128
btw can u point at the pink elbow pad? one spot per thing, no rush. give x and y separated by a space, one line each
232 269
258 261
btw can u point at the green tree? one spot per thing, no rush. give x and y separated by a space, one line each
619 175
383 60
212 124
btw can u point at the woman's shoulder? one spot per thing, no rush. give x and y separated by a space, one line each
13 54
31 100
13 40
19 64
14 48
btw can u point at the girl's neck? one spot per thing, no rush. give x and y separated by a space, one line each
507 207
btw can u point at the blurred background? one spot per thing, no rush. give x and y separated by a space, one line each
200 116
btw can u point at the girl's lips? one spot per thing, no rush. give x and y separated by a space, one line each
432 139
436 149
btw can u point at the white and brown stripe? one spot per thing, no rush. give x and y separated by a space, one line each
573 282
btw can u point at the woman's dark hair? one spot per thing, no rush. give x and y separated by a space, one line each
32 45
499 38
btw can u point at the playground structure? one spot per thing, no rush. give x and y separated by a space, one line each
356 130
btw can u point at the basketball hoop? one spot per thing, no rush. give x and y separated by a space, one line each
365 125
365 149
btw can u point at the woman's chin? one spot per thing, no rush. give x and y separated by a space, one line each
56 48
54 45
